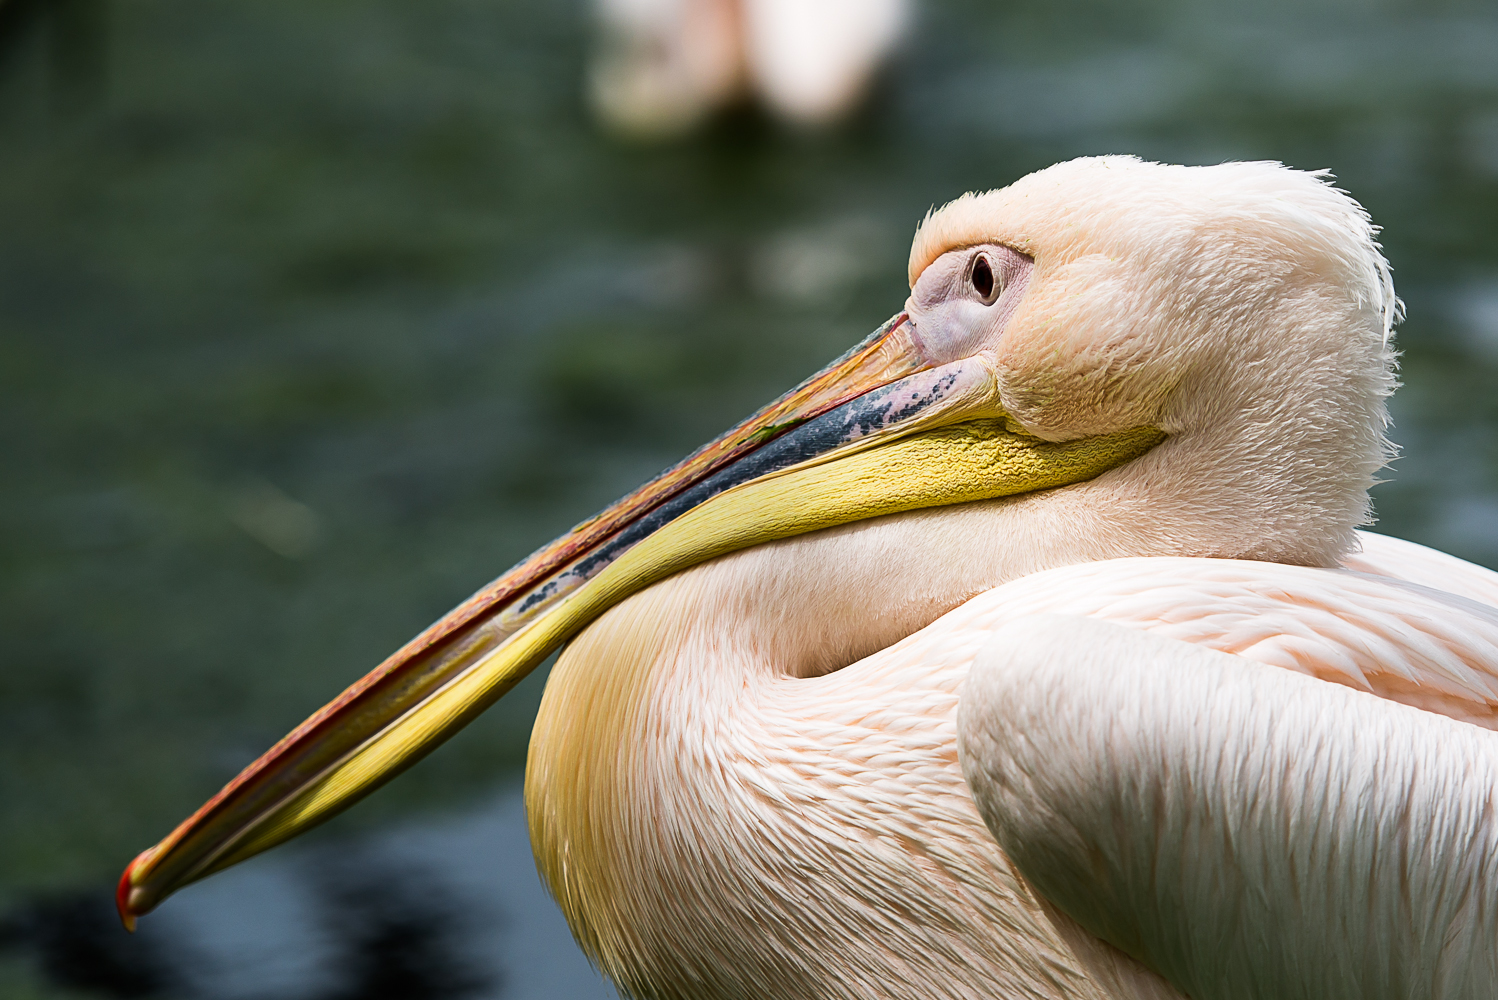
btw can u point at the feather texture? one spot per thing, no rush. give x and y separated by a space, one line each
825 819
1243 831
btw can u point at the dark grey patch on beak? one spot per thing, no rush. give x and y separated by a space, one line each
873 411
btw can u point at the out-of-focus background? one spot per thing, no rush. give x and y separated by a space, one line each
314 317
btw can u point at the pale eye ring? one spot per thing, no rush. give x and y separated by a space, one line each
985 283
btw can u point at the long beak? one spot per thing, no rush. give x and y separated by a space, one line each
878 431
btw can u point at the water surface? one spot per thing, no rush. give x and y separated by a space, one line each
315 317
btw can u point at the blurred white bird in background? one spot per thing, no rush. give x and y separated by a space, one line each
663 66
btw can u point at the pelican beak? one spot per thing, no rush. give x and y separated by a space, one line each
880 430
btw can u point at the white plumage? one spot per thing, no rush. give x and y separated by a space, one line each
758 796
1242 830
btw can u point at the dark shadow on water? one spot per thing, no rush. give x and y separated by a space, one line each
76 942
396 939
386 935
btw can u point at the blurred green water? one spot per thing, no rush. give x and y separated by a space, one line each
315 317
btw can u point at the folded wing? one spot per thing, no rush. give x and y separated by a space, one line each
1154 745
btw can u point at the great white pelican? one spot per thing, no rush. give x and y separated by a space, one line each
1029 650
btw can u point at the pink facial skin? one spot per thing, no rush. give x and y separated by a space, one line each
964 299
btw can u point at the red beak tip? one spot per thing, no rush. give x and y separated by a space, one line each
125 894
122 902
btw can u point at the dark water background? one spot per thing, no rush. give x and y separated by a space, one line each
314 317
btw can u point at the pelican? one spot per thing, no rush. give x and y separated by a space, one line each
1030 650
664 65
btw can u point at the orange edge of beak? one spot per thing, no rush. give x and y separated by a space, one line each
122 892
878 360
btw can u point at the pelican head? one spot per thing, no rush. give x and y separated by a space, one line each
1242 309
736 785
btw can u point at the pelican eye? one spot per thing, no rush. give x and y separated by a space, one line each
983 280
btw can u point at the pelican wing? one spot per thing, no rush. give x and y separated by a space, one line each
1397 558
1240 829
1378 628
